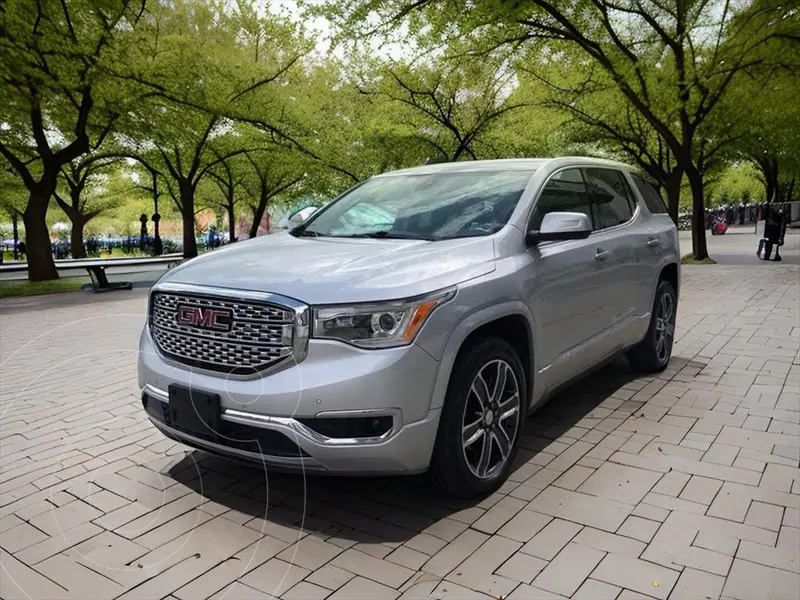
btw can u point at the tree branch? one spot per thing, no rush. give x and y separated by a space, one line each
71 29
198 149
62 204
221 158
265 81
19 167
37 125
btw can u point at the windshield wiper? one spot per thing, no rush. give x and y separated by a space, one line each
302 232
385 234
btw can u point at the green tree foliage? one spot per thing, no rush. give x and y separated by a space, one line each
58 101
129 191
199 66
763 111
226 181
352 134
228 104
737 183
274 173
672 62
596 119
84 196
13 197
450 105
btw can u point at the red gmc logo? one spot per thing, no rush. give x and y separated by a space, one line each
220 319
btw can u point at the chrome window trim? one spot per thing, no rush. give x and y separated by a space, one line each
634 213
543 185
595 232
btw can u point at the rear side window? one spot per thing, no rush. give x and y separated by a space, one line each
652 199
564 192
611 197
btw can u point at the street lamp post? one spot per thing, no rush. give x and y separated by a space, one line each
15 227
158 247
143 233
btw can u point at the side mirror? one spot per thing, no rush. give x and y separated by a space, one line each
292 220
560 226
303 214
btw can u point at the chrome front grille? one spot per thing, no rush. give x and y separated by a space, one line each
254 336
246 311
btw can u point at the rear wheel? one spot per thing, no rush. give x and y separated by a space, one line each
481 420
653 353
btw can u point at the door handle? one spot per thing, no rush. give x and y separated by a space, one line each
653 242
601 254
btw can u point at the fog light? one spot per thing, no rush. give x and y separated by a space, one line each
356 427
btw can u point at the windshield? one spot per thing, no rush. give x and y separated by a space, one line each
431 206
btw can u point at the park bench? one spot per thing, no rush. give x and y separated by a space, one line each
97 269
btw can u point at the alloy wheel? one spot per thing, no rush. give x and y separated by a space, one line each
665 326
491 418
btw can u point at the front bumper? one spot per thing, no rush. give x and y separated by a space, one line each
335 380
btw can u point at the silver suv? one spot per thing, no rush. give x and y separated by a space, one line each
412 324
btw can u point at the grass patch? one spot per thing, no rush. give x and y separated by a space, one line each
23 287
688 259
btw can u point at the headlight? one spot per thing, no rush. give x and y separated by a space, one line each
379 325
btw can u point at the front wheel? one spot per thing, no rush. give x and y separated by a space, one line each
481 420
652 354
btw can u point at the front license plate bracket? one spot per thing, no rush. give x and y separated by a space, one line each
195 412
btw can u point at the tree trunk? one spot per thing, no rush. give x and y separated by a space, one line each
673 189
769 169
15 228
76 217
790 190
699 247
187 211
77 246
231 221
41 266
463 146
258 213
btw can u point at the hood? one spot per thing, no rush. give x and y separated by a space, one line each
337 270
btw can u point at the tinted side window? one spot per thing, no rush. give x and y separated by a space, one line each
610 203
652 199
564 192
628 191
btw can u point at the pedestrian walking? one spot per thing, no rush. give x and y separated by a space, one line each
774 232
782 222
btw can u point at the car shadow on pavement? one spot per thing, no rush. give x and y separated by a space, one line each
395 509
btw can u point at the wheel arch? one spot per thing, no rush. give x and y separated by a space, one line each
671 273
509 321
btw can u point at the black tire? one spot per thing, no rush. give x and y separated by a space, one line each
450 469
648 356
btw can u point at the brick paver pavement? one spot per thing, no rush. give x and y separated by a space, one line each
684 485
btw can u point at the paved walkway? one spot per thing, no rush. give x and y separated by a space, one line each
739 244
684 485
